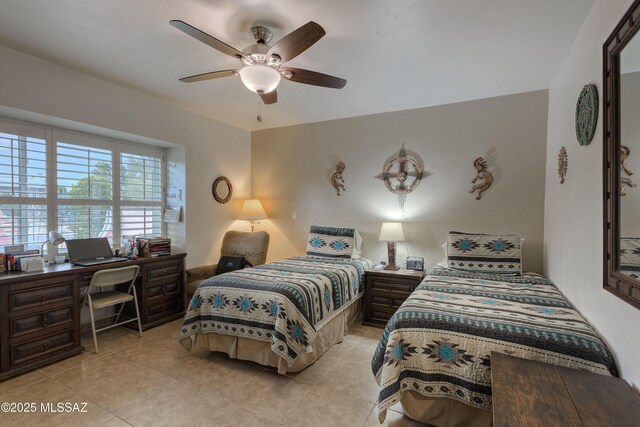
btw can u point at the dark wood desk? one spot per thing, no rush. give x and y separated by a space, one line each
528 393
40 311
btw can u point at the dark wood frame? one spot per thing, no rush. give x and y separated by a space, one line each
214 189
615 282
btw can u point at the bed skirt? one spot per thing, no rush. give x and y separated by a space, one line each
329 333
442 411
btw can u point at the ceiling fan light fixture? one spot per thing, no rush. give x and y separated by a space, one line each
260 78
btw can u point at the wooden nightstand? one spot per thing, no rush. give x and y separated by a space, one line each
386 291
529 393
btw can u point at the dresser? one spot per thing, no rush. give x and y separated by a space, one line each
40 311
386 290
530 393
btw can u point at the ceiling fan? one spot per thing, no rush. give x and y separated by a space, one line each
262 68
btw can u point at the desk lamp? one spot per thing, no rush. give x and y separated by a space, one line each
391 232
55 238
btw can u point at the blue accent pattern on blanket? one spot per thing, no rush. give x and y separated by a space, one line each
440 340
280 302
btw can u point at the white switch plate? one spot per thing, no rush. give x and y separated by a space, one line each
294 215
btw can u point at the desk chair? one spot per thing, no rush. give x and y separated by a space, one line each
112 277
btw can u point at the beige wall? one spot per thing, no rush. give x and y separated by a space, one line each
211 148
291 168
573 214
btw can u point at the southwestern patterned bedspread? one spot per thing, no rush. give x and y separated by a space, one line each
280 302
440 340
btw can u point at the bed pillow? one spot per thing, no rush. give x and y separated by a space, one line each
333 242
485 253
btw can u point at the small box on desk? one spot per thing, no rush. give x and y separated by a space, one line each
153 246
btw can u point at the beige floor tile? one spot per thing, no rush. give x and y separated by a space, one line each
271 394
177 406
72 362
13 384
227 414
155 352
89 371
350 379
393 419
119 393
333 409
115 422
50 391
321 367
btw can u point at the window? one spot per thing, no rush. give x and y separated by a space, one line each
141 193
23 186
80 185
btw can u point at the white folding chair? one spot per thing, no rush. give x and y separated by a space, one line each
112 277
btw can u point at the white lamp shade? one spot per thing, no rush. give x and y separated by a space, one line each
252 210
391 232
259 78
56 238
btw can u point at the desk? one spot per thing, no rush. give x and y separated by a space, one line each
530 393
40 311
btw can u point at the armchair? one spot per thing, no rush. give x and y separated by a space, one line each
252 246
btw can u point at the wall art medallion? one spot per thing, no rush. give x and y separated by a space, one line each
563 163
402 173
587 114
336 177
484 175
222 189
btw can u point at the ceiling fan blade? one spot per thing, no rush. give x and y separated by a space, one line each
307 77
297 41
270 97
207 39
209 76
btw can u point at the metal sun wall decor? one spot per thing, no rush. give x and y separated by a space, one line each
625 180
402 173
587 114
482 169
336 177
563 163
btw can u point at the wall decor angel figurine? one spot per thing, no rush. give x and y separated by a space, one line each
625 180
336 177
483 174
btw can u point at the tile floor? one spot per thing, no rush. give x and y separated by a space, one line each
153 381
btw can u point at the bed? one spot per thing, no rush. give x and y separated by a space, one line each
284 314
434 354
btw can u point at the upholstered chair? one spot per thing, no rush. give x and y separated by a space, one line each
252 246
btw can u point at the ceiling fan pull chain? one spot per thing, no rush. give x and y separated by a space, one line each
259 115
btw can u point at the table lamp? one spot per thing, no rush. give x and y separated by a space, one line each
391 232
55 238
253 212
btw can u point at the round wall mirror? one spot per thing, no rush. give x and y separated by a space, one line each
222 189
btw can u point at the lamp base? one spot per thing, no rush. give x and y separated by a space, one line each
391 249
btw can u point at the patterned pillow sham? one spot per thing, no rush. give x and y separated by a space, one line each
484 253
630 256
333 242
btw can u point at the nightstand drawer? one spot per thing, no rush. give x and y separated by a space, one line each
383 284
382 301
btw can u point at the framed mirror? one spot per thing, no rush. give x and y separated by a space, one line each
222 189
621 166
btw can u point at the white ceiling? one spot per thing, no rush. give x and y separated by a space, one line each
395 55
